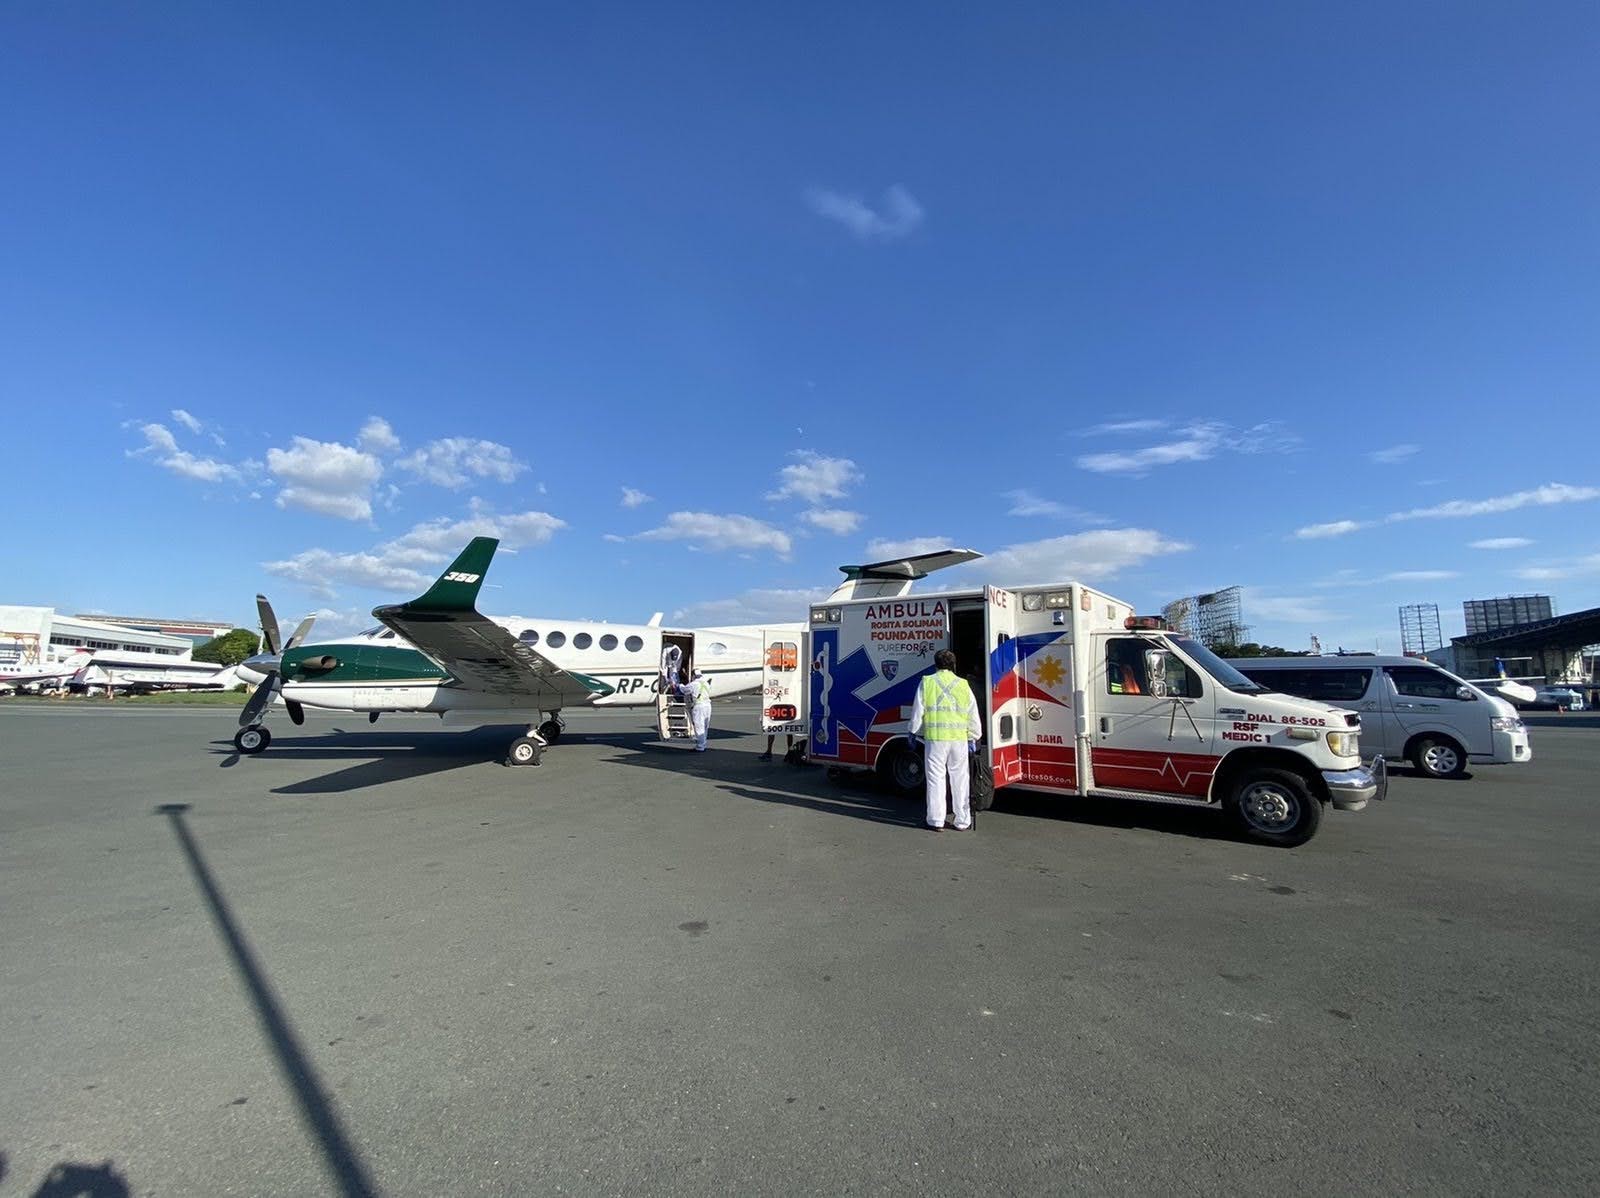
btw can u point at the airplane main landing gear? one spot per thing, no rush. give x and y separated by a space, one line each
551 730
525 750
252 739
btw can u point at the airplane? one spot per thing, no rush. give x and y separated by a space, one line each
438 654
59 673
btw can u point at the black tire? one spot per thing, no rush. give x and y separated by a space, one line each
252 740
1439 757
551 731
900 767
1274 807
524 751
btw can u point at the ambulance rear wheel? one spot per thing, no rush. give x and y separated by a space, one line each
1274 807
901 768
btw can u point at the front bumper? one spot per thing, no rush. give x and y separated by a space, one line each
1349 790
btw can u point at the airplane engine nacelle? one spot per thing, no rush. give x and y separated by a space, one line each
319 665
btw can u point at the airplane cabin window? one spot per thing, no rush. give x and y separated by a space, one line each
529 636
582 641
608 642
556 639
634 644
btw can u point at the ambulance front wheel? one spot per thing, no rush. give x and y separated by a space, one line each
901 768
1274 807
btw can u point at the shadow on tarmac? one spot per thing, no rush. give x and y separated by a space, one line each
316 1111
379 757
859 794
1561 719
72 1180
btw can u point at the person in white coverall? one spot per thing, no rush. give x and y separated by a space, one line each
945 715
697 693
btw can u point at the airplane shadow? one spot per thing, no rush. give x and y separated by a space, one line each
377 757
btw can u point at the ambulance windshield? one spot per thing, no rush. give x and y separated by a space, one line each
1220 671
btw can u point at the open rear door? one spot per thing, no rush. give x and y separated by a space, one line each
1002 706
784 702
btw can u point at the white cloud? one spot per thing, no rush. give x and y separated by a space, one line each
1095 555
1026 503
760 606
1393 454
455 461
1123 426
899 215
613 538
1197 442
326 477
412 560
706 530
162 448
882 550
188 421
634 498
1334 528
1355 578
834 520
1545 496
320 570
1575 568
1501 543
377 436
1285 609
814 478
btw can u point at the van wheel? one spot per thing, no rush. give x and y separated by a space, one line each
1274 807
901 768
1439 757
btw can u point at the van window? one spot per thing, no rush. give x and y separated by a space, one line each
1419 682
1325 686
1128 672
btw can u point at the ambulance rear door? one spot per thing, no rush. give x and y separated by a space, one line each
784 701
1002 705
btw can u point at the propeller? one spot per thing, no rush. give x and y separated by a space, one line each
270 660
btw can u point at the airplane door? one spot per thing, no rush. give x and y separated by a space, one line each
784 701
1002 706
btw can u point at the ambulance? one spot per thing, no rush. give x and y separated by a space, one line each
1079 696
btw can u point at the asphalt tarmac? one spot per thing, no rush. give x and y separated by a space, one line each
374 960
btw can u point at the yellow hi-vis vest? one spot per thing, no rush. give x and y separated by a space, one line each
702 690
945 700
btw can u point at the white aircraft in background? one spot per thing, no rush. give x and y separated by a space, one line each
438 654
16 675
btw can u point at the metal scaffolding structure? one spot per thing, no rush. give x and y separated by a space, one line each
1214 618
1419 629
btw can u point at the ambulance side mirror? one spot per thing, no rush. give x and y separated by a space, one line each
1155 669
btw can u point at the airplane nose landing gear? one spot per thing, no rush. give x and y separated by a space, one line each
252 739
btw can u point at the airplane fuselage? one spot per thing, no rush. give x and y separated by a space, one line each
378 671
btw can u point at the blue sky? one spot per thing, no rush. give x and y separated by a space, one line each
692 304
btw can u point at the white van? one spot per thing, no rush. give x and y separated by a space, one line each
1409 708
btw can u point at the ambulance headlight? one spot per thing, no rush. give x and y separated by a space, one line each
819 615
1059 599
1344 744
1032 602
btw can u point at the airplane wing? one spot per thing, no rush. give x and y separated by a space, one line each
478 654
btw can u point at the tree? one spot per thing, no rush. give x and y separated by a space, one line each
230 648
1251 649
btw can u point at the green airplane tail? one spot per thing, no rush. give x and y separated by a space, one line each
457 588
